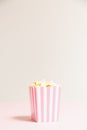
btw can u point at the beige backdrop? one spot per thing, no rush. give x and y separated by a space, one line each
43 39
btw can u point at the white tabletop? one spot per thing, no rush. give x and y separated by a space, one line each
16 116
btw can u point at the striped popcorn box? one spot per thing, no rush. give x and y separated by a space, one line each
45 102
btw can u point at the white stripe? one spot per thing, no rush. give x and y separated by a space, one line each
51 104
38 103
56 103
45 104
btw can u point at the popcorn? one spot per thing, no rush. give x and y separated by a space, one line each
43 83
38 84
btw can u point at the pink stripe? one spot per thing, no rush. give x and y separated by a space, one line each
59 103
36 114
42 104
34 103
48 103
31 102
53 109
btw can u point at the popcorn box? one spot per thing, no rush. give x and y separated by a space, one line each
45 103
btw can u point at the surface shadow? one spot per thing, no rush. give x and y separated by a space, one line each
23 118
